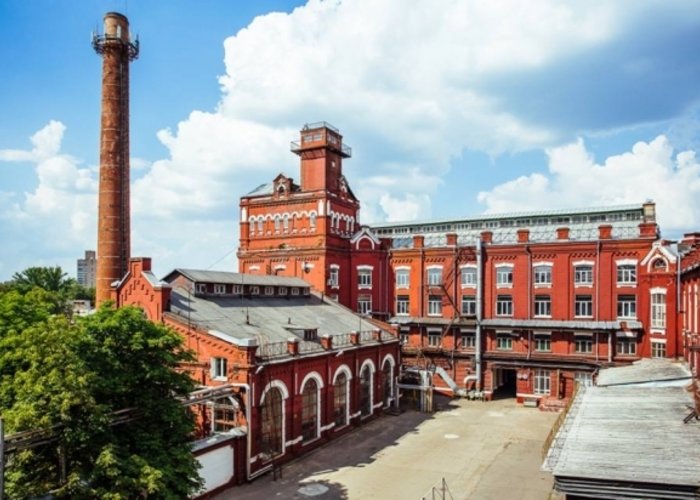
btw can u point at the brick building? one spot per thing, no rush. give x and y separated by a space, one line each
302 368
522 304
690 300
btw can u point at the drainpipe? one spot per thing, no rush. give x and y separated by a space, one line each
678 305
529 281
249 438
479 308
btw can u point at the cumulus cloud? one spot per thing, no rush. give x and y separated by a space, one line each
57 217
650 170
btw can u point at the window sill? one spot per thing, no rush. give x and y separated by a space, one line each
504 285
583 285
626 285
543 285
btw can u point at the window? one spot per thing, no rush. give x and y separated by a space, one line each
584 379
254 290
435 276
295 291
658 310
364 304
583 345
658 349
333 276
468 340
626 347
285 222
402 305
504 305
468 305
224 414
238 289
309 411
403 338
626 306
543 343
434 338
218 368
583 275
277 223
201 288
583 306
366 391
272 431
269 290
543 305
504 276
504 342
402 278
468 275
219 289
260 225
387 387
282 290
434 305
542 382
312 220
543 275
340 400
659 265
626 274
364 278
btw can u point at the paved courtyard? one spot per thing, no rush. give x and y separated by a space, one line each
483 451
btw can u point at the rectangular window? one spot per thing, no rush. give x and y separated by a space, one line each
543 343
333 277
218 368
658 349
403 338
626 347
583 306
364 304
504 276
364 278
504 305
583 275
402 278
468 275
543 275
238 289
504 342
254 290
282 290
468 305
201 288
584 379
468 340
543 305
402 305
435 276
626 306
583 345
295 291
269 290
542 382
219 289
434 305
658 310
626 274
434 339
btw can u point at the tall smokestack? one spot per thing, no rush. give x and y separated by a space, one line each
113 231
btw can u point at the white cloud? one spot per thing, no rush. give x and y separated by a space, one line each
575 179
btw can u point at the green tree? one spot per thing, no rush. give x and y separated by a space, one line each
76 374
52 279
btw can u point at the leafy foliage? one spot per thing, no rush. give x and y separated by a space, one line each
74 374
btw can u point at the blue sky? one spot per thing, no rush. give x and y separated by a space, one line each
474 107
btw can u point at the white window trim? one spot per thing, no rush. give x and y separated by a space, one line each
504 264
583 263
365 268
542 263
626 262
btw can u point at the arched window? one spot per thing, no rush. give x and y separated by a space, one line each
285 222
366 391
387 386
312 220
271 434
260 225
309 411
659 265
277 223
340 400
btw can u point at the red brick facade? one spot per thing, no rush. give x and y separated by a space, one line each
690 300
554 295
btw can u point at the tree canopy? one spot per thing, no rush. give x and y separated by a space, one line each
73 374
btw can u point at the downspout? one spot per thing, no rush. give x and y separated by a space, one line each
679 325
249 438
457 311
529 297
479 308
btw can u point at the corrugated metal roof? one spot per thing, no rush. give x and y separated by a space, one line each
267 319
228 278
629 436
512 215
643 372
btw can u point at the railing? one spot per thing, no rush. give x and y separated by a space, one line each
366 336
306 346
558 423
315 125
341 340
273 350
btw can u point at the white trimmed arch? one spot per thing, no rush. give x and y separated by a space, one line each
370 363
314 375
342 369
277 384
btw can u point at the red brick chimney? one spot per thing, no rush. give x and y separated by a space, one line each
113 213
562 233
418 241
523 235
605 232
487 236
451 239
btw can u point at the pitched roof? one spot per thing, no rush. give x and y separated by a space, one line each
229 278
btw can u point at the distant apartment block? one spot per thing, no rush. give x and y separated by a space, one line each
87 268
